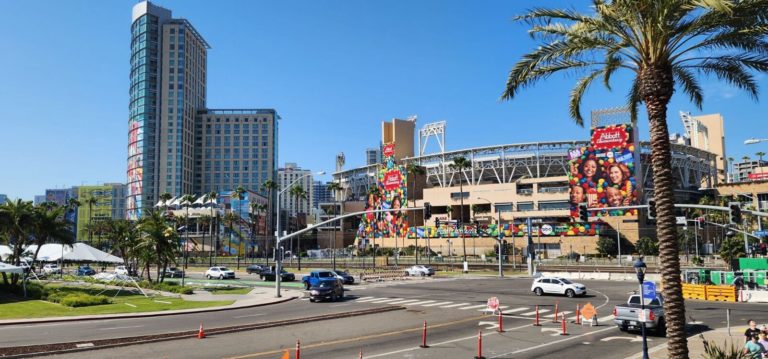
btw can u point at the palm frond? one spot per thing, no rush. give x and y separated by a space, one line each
690 85
577 93
731 72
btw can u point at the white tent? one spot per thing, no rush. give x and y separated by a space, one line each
5 251
82 252
48 252
7 268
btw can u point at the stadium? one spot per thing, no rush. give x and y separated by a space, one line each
506 187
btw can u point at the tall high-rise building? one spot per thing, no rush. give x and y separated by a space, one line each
372 156
176 144
287 175
3 198
321 193
109 203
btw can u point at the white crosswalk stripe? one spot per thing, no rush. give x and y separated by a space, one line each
510 311
560 314
455 305
473 307
436 304
502 307
363 299
405 301
541 311
385 300
422 302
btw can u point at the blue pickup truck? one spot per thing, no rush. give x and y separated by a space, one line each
314 278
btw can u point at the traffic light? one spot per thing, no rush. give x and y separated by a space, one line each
427 210
583 212
651 209
734 212
437 222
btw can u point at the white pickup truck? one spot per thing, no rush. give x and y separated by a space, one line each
629 316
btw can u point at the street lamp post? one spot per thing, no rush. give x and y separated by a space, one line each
279 259
753 141
640 268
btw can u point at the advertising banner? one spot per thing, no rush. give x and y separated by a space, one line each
758 176
603 174
390 193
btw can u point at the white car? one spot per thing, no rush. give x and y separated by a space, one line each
219 272
121 270
419 270
51 269
557 285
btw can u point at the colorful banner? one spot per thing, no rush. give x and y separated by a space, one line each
603 174
390 193
758 176
508 230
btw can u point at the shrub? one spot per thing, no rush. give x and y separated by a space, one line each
84 300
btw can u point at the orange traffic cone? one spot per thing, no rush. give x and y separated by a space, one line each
201 332
286 355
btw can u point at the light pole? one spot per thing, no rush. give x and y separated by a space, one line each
640 268
279 259
498 237
753 141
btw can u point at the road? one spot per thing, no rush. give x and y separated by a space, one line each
451 307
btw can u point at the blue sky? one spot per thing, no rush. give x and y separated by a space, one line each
332 69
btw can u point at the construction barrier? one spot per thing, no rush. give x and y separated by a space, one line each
754 296
694 291
721 293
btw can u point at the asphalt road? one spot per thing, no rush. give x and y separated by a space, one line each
451 308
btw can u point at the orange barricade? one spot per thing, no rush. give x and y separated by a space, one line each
694 291
721 293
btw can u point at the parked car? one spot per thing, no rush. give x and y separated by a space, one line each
254 268
419 270
331 290
269 275
219 272
556 285
627 316
85 270
173 272
345 277
51 269
121 270
315 277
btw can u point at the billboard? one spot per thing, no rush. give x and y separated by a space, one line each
390 193
603 173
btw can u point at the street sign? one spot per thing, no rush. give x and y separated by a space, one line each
649 290
680 220
493 304
588 311
760 233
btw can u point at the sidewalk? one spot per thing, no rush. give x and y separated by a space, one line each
718 337
259 296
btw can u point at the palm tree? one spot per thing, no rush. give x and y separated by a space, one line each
212 197
299 193
239 194
124 236
90 201
229 224
205 224
270 186
50 226
335 188
164 198
745 158
661 43
257 209
186 201
760 158
157 243
460 164
73 204
16 218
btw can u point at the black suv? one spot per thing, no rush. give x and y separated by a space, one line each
327 290
254 268
174 272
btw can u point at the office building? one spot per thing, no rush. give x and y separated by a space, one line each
39 199
321 193
749 170
372 156
109 203
287 175
173 138
3 198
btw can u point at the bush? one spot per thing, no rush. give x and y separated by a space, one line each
172 287
84 300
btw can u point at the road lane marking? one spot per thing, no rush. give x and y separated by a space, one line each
534 312
340 305
405 301
385 300
547 344
422 303
474 307
436 304
364 298
515 310
607 317
128 327
501 307
250 315
635 339
367 299
455 305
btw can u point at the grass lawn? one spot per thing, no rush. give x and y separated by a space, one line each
16 308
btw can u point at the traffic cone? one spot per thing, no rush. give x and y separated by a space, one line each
286 355
201 332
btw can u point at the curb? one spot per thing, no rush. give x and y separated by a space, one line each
71 347
143 315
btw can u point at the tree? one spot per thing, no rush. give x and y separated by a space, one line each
647 246
157 243
459 165
187 200
73 204
335 188
299 193
16 218
270 186
731 250
760 157
661 43
606 246
50 226
257 209
164 198
90 201
414 170
124 236
210 199
239 194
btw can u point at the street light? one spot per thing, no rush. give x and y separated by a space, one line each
753 141
279 259
499 236
640 268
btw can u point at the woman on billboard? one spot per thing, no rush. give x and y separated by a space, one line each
618 175
589 171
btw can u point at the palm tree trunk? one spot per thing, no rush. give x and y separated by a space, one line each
656 88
